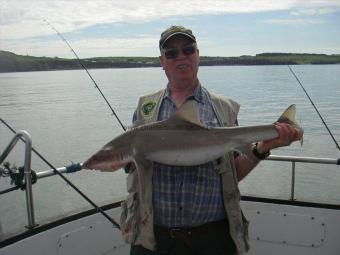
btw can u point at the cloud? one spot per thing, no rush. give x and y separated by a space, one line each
313 12
316 8
21 19
22 29
294 21
84 47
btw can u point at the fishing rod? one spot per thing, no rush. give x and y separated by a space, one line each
88 73
100 210
316 109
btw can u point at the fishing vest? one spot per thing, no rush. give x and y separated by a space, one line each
137 210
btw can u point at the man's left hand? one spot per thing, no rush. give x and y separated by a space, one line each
286 135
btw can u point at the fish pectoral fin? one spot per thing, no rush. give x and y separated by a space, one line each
144 168
142 163
188 112
245 149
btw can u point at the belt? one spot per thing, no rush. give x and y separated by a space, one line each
187 232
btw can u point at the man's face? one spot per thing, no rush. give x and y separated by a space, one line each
179 60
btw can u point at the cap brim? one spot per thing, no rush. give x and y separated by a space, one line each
177 33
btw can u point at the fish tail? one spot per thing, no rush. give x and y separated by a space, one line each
288 116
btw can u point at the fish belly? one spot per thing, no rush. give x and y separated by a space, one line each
187 157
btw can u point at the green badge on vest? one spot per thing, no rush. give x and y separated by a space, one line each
148 108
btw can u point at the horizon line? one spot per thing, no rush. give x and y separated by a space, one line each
245 55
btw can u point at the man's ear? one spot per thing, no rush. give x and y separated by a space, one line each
161 61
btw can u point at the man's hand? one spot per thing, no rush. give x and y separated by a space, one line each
286 135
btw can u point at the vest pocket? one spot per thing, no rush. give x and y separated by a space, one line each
129 218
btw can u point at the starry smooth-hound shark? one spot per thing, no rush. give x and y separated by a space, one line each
181 140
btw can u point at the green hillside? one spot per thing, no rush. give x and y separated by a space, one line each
10 62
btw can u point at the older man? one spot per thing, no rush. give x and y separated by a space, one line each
190 209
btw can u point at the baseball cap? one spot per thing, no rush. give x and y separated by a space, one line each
175 30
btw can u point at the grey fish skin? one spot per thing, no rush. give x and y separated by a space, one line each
181 140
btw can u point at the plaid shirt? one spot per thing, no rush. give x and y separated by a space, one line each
185 196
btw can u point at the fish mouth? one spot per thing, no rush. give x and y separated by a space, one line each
86 165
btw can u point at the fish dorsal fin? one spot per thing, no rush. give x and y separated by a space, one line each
188 112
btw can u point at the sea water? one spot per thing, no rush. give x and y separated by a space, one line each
69 120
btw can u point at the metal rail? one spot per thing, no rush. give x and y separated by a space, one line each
334 161
99 209
293 159
51 172
27 171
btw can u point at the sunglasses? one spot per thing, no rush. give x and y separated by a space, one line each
173 53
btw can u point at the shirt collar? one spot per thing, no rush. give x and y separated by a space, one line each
197 94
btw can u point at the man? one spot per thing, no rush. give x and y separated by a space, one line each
195 209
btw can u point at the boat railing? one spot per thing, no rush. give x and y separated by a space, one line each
22 134
294 160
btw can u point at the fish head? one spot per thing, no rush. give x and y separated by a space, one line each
113 156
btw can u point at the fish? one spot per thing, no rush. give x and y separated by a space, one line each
181 140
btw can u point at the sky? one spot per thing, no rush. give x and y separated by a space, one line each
102 28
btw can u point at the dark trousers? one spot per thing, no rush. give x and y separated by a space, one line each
209 239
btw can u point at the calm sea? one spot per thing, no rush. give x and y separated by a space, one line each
68 121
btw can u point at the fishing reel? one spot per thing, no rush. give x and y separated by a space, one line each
17 176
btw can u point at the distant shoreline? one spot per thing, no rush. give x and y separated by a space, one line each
11 62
